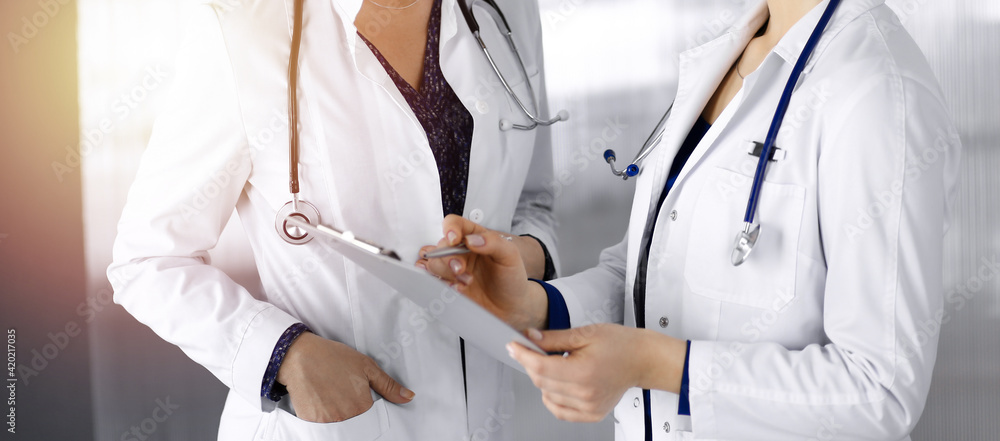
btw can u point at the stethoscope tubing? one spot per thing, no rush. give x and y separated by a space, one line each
654 138
504 28
779 114
293 103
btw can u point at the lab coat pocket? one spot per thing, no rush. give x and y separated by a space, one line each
365 427
767 278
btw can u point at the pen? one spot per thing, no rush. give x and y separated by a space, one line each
447 251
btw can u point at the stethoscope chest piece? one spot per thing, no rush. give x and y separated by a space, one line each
301 210
745 242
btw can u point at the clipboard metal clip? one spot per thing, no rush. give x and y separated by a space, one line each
346 236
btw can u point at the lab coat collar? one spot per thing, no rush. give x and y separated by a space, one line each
789 48
347 12
750 23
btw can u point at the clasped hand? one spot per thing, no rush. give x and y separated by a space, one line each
328 381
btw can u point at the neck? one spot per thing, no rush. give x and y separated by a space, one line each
784 15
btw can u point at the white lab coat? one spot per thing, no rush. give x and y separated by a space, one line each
366 164
829 330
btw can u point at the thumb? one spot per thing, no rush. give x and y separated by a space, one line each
387 387
567 340
497 246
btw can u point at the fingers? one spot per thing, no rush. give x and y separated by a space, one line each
487 243
494 245
558 387
561 341
450 269
558 410
386 386
565 413
547 372
534 363
421 261
455 228
568 401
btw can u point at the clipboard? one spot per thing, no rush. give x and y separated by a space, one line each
446 305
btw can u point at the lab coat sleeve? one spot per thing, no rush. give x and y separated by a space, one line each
886 174
189 180
534 214
597 295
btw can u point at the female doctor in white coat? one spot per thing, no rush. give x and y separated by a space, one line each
382 86
828 329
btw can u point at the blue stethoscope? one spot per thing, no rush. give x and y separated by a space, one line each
747 238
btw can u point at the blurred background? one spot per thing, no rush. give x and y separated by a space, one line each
82 82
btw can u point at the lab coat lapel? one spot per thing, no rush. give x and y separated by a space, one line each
347 12
701 71
477 87
344 10
364 60
462 62
321 22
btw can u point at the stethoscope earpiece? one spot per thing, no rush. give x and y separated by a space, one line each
301 210
506 124
630 172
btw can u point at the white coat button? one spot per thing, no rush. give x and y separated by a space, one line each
482 107
635 402
673 215
664 322
666 427
476 215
